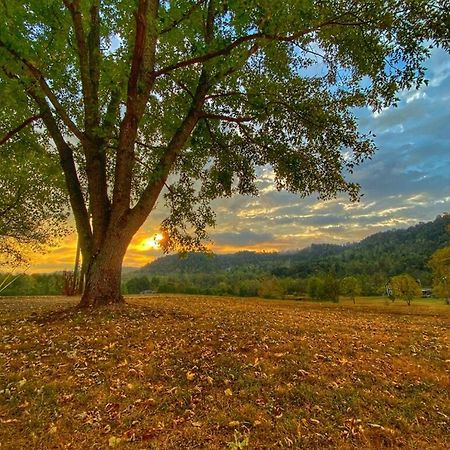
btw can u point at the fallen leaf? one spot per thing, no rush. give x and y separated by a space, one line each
190 375
114 441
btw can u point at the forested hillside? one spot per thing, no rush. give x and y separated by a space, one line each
386 254
372 261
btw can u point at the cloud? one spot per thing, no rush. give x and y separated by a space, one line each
241 238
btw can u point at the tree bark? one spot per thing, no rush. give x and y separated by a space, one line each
104 272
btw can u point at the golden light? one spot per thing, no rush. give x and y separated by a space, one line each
152 243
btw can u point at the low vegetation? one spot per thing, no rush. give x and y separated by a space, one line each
213 372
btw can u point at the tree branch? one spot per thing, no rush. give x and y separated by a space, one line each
227 118
89 58
151 193
210 55
185 16
15 202
112 109
148 198
139 48
140 82
89 55
230 47
94 58
149 147
38 76
16 130
70 172
251 37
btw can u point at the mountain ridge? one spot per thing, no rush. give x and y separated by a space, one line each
388 252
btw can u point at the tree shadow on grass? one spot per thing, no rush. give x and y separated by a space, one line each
74 315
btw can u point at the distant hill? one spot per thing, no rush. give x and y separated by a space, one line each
387 253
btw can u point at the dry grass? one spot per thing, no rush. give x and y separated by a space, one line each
180 372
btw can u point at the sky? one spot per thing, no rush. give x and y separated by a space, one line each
406 182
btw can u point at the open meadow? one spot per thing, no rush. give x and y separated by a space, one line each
184 372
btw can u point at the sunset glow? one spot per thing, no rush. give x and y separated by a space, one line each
152 243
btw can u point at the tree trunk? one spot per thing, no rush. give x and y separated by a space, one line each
103 275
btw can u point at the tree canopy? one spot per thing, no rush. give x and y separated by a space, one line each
405 287
33 201
440 265
191 97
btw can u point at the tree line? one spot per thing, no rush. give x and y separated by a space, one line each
242 283
326 287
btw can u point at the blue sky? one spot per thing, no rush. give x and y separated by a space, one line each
406 182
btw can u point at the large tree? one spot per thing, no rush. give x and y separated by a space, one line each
189 97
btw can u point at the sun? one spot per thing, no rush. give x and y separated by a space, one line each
152 243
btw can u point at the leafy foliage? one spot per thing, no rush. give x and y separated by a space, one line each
351 287
137 285
36 284
440 265
192 97
33 201
405 287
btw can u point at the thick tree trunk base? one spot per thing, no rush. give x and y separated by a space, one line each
102 285
100 300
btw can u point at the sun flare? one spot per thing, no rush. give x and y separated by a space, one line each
152 243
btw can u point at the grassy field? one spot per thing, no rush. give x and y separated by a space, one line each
183 372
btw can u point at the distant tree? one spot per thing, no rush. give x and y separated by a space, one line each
331 288
440 266
270 288
405 287
154 283
248 288
351 287
69 283
138 97
137 285
315 287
